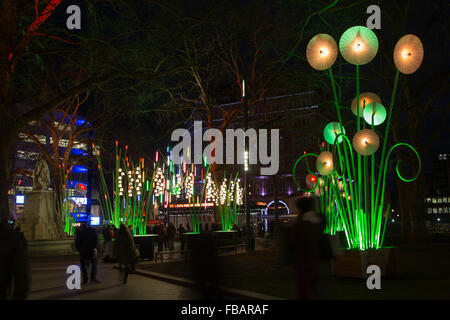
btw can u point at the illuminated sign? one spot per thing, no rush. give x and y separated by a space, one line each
20 199
190 205
79 200
95 221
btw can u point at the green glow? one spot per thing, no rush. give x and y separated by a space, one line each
331 131
374 113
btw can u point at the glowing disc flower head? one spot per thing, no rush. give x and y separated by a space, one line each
324 163
358 45
366 142
321 51
365 99
374 113
331 131
408 54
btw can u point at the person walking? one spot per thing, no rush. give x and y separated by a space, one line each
171 231
165 238
181 230
125 252
107 236
306 238
160 232
14 275
86 244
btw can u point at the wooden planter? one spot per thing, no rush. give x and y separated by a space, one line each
354 263
146 245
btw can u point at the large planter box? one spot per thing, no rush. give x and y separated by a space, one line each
189 238
354 263
226 238
146 245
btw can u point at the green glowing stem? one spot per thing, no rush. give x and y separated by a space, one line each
336 102
384 228
353 192
346 224
358 119
372 196
386 134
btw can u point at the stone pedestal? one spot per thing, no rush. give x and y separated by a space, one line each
39 216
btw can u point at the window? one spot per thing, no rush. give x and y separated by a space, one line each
429 210
444 199
256 188
270 188
445 210
434 210
434 200
428 200
440 210
439 200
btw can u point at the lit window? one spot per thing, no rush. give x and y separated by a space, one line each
428 200
429 210
445 210
444 199
440 210
434 200
434 210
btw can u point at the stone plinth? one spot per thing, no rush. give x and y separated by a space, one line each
59 247
39 216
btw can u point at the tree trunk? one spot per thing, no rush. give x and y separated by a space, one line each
5 170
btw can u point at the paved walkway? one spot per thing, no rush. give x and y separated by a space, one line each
48 277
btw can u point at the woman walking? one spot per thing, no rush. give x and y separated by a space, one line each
124 251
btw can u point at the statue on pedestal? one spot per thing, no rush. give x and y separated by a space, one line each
41 175
40 218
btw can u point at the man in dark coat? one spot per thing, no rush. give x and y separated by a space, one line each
13 264
306 238
171 232
86 244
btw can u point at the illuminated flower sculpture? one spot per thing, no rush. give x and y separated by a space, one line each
332 131
365 99
354 171
374 113
358 45
321 51
324 163
366 142
408 54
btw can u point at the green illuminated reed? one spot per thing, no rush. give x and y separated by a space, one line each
229 201
132 190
